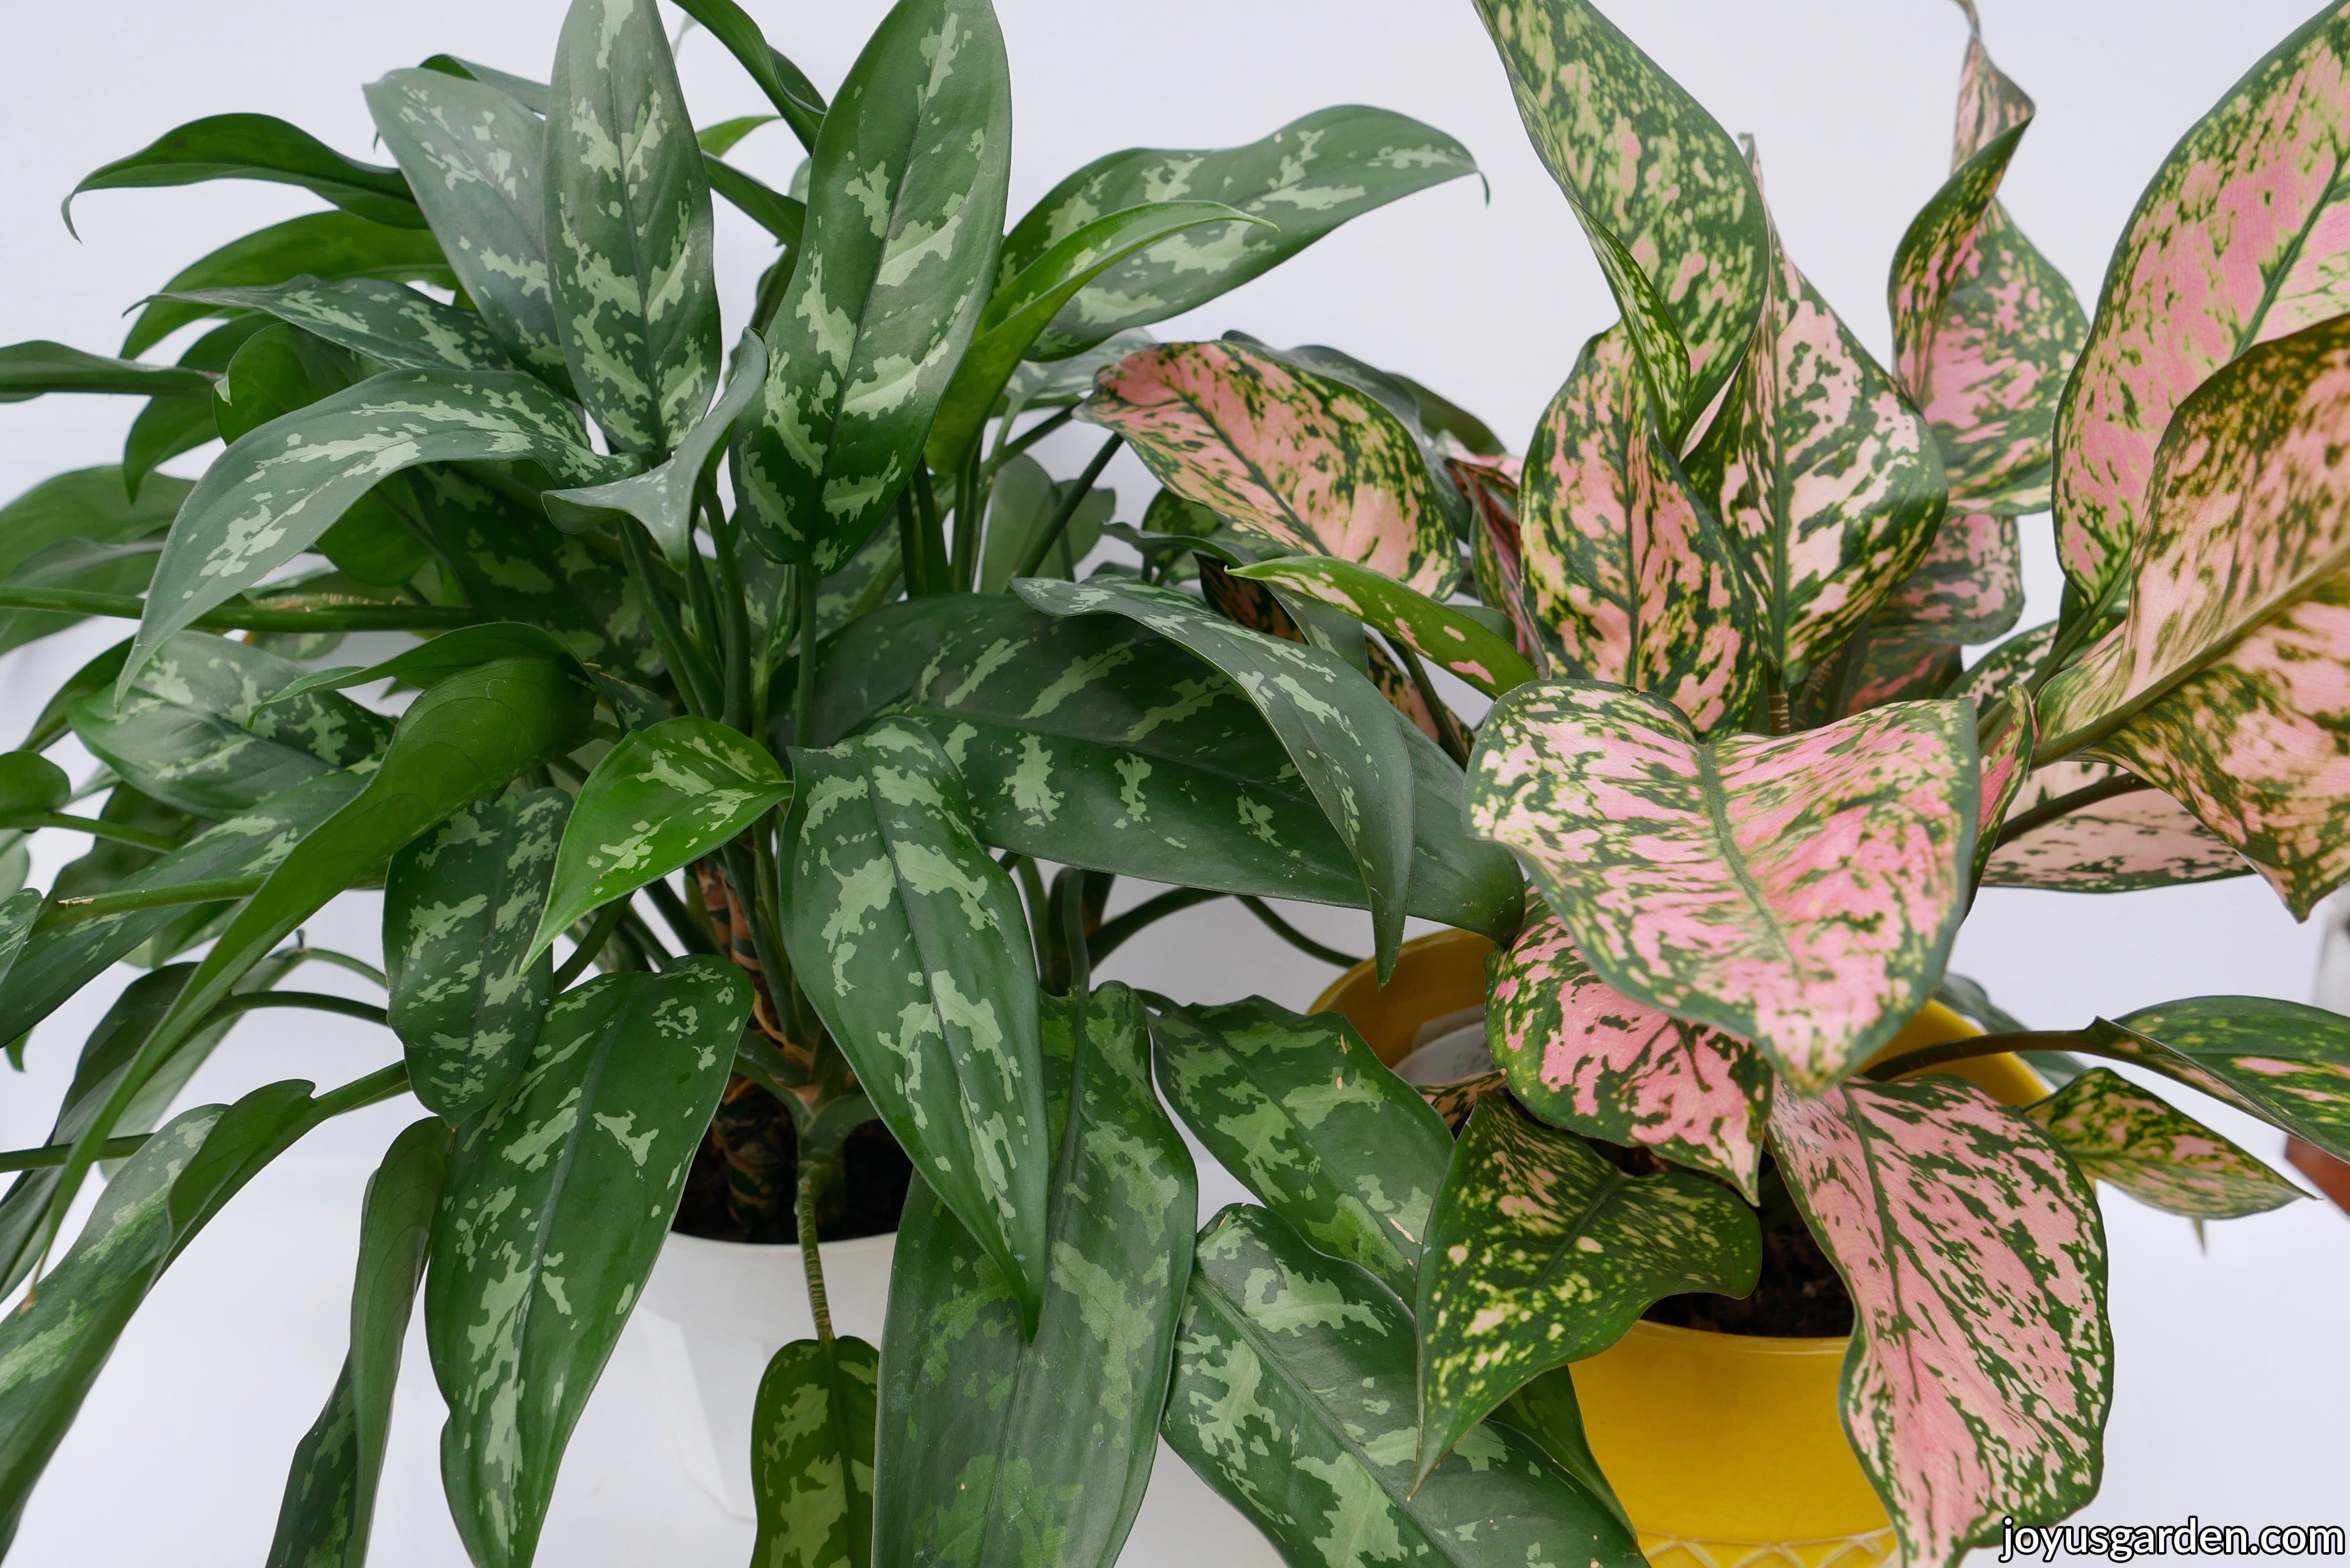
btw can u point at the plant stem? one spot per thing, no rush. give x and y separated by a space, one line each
2064 806
1032 893
123 900
811 585
357 1094
1296 938
52 1155
877 591
1035 433
2079 1042
1427 689
360 967
910 546
641 936
811 1259
735 622
608 920
96 828
694 682
1042 545
249 617
1073 935
1112 934
692 933
933 535
315 1001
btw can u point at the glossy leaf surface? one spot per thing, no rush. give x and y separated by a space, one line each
324 244
2287 1064
459 906
559 1198
1437 632
1541 1251
1304 179
1322 1133
388 322
1311 463
2116 1132
905 210
912 943
38 367
629 236
1292 1398
84 507
1981 1370
664 797
258 146
2068 829
1584 1056
1801 892
812 1433
1001 1449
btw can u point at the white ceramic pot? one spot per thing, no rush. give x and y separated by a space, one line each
717 1311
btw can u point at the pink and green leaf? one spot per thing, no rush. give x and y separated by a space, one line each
1967 588
1584 1056
1309 462
1626 573
2119 1133
1987 678
1827 481
1437 632
2004 740
2085 827
2223 683
1496 553
2285 1063
1981 1370
1798 891
1643 160
1541 1251
2243 237
1873 671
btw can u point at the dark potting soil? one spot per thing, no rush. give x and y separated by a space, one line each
749 1198
1799 1296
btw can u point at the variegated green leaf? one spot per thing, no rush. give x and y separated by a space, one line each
1309 462
272 494
1981 1370
1626 576
812 1435
388 322
1292 1398
2117 1132
58 962
664 797
1438 632
1985 330
330 1501
1584 1056
1311 1122
2084 827
199 727
1799 891
2240 239
629 236
998 1449
327 244
1304 181
2206 689
559 1198
467 993
1826 477
662 498
1339 731
1990 677
912 943
1642 160
474 159
1089 742
2287 1064
1541 1251
905 213
1026 303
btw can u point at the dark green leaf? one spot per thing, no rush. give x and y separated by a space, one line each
331 1492
433 663
1442 633
1020 505
466 991
794 96
1307 177
905 208
1293 1396
629 238
557 1202
999 1450
2287 1064
812 1430
1313 1123
530 94
1541 1252
912 943
87 506
322 244
258 146
30 785
783 217
664 797
31 369
474 157
388 322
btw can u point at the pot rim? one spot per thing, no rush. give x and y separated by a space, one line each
687 1238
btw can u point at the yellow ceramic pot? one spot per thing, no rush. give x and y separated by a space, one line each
1728 1451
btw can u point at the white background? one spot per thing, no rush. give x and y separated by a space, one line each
2233 1372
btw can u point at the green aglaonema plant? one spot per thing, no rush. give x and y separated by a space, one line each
784 685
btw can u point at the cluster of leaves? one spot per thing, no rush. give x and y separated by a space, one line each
788 652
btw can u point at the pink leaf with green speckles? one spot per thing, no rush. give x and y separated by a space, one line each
2117 1132
1582 1056
2287 1064
1497 554
1309 462
2085 827
2004 740
2227 684
1641 159
1437 632
1798 891
1626 573
1968 588
1981 1370
2243 237
1827 480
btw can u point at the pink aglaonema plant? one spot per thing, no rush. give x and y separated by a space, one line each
1741 758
